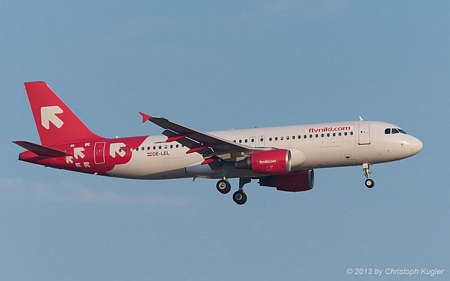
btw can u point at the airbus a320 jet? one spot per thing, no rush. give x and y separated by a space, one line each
282 157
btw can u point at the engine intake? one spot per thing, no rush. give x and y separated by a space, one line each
271 162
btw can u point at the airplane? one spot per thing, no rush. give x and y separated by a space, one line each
282 157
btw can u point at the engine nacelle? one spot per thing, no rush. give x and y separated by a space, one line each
271 162
292 182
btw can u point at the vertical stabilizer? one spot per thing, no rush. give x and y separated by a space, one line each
55 122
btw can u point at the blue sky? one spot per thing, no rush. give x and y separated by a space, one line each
214 65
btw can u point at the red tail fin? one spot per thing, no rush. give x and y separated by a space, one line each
55 122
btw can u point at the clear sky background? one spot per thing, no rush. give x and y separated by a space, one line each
221 65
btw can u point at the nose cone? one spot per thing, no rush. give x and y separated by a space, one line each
414 145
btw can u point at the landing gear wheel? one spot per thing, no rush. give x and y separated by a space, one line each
223 186
239 197
370 183
366 168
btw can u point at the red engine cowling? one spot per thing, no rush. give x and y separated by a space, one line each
272 162
292 182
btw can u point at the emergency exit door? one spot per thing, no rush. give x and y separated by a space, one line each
99 153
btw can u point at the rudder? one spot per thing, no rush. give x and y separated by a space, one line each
55 122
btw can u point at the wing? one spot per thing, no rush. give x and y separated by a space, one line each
214 149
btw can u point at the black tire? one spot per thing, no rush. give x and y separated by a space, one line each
239 197
370 183
223 186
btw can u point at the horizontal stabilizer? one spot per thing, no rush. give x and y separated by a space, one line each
41 150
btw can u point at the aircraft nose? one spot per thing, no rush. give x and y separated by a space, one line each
415 145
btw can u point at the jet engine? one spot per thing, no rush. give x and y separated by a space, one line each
296 181
272 162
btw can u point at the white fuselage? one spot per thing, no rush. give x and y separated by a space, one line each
321 145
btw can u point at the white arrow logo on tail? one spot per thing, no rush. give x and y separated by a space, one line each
69 159
48 115
115 148
78 152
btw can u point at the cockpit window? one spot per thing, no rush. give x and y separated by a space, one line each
389 131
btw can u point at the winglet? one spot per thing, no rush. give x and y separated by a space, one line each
145 117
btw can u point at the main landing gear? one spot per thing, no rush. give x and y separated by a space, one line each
224 187
369 182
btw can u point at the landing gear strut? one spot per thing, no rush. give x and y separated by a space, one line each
369 182
239 196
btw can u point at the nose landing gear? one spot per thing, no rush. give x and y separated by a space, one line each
369 182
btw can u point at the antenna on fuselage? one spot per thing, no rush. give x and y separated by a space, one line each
360 118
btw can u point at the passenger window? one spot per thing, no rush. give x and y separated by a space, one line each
322 135
276 138
261 139
270 139
154 148
137 148
148 147
281 138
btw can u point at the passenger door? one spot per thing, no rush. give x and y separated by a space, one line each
364 133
